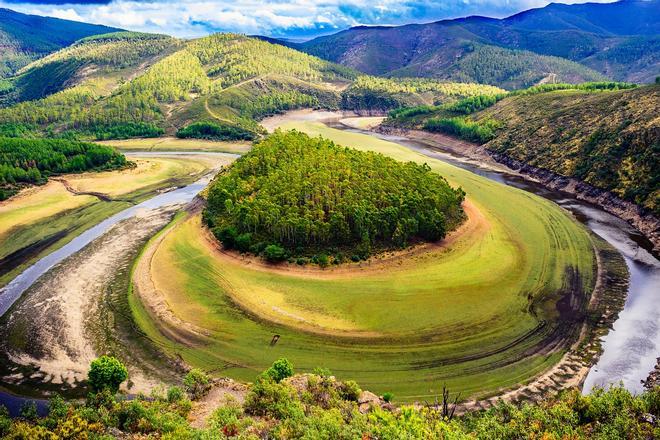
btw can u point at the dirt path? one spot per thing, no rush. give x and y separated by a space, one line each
54 328
101 196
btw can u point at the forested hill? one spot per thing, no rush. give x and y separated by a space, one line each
605 134
100 62
130 84
24 38
610 140
619 40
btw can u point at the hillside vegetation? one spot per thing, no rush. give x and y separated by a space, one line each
30 161
25 38
130 84
370 93
107 59
571 43
609 140
606 134
306 195
281 405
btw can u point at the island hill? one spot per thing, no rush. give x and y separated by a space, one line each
297 197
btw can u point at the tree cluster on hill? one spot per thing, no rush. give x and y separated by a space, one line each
25 38
31 161
272 94
233 58
374 93
514 69
309 196
464 128
215 131
281 405
79 108
473 104
118 49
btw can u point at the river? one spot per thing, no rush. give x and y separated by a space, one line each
630 348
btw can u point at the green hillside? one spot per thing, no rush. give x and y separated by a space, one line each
24 38
616 40
102 60
130 84
610 140
607 138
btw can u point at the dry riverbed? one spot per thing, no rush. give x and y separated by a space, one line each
54 333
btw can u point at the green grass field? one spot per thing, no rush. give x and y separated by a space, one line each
39 220
175 144
471 314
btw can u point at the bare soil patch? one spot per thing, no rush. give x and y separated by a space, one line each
53 328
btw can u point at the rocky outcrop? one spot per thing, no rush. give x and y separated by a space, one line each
640 219
654 377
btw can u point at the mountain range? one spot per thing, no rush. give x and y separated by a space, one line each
556 43
25 38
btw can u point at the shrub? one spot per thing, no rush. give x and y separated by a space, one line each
243 242
275 253
269 398
197 383
174 394
323 372
28 410
226 235
106 373
322 260
5 421
387 396
281 369
350 390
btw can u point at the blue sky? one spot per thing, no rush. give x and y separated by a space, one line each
296 19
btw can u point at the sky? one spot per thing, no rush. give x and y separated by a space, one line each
295 19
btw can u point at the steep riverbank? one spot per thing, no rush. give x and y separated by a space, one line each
643 221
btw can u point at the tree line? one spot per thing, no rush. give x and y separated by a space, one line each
31 161
309 195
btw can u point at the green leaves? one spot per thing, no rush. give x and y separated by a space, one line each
106 373
309 197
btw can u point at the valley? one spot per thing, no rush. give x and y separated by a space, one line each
445 229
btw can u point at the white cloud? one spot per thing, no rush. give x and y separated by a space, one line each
67 14
189 18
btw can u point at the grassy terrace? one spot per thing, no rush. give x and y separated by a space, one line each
175 144
41 219
473 312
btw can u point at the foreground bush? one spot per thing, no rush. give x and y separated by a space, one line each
317 407
106 373
296 196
